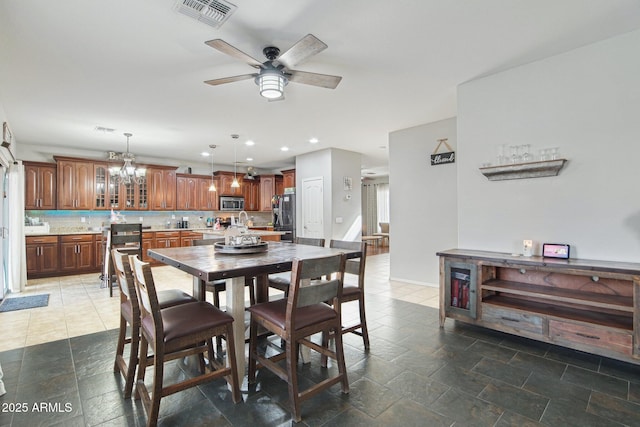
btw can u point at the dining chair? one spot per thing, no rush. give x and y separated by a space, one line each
281 281
355 267
130 315
174 333
303 313
127 238
384 233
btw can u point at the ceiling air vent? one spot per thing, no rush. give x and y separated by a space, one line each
211 12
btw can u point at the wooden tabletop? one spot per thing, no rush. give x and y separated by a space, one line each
207 264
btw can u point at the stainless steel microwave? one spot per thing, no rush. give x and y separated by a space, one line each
231 203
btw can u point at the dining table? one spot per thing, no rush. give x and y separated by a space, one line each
206 264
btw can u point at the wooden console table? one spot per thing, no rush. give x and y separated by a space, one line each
587 305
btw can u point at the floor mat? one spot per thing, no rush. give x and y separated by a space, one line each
22 303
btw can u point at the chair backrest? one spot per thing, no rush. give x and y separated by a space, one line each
124 276
306 289
384 227
147 296
126 234
206 242
354 265
310 241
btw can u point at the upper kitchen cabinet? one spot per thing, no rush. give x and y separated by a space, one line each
75 183
40 185
162 188
225 179
251 193
187 192
110 194
269 186
207 200
289 178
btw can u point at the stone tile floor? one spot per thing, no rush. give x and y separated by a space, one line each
416 374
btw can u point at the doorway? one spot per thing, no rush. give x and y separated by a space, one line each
312 201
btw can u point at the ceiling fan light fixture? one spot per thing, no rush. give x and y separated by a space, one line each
271 84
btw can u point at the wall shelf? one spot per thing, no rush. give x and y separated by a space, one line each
523 170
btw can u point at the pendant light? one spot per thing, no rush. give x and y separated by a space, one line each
235 183
212 187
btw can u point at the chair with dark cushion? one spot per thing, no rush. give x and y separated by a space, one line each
128 239
130 314
174 333
294 319
356 268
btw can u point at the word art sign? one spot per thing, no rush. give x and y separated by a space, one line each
443 158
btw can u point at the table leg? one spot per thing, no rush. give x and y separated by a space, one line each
198 291
235 307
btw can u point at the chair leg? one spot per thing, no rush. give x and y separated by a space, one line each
231 361
142 365
363 324
292 374
216 303
342 368
133 361
122 336
248 281
156 392
325 344
253 349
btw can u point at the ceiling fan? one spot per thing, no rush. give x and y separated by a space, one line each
276 71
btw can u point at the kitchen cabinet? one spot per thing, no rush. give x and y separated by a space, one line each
187 237
42 256
288 178
186 192
40 185
77 253
75 183
251 193
167 239
270 185
587 305
148 242
105 194
162 188
225 179
207 200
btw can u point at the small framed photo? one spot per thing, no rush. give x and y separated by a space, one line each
348 183
555 250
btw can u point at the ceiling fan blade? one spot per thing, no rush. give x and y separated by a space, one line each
305 48
216 82
225 47
314 79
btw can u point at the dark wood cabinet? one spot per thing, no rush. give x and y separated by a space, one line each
162 189
186 192
270 185
225 180
77 253
207 200
42 256
148 242
187 237
289 178
251 193
75 184
40 185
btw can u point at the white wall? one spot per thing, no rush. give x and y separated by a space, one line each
587 102
332 164
423 212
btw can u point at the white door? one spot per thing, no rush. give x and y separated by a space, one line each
312 208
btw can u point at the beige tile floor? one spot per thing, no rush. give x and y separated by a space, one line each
79 306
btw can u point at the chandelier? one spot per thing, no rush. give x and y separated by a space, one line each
128 173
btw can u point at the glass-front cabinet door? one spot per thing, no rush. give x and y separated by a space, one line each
460 286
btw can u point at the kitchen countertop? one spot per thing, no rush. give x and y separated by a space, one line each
203 230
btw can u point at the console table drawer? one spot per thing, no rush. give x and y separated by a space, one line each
512 318
619 342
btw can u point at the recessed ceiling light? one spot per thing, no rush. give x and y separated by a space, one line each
284 148
249 159
205 154
249 143
313 140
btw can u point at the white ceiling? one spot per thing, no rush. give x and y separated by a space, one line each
138 66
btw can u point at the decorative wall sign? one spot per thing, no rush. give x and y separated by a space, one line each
443 158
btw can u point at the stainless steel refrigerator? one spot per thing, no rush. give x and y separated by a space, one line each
284 215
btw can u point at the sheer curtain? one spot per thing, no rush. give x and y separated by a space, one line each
16 258
369 209
382 191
